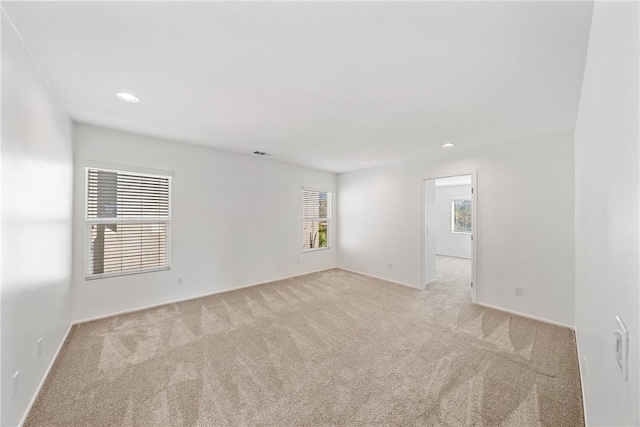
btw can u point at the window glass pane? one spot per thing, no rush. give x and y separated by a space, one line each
462 216
135 235
315 204
316 210
315 234
126 247
120 195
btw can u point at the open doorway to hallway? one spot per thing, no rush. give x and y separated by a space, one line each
448 232
453 271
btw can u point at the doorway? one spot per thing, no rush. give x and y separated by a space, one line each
449 242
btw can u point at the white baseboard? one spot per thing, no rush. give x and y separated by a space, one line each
584 407
44 377
133 310
430 282
529 316
380 278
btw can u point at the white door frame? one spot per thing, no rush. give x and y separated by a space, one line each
474 225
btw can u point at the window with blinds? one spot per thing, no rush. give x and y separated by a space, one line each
128 217
316 218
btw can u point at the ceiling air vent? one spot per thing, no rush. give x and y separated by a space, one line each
261 153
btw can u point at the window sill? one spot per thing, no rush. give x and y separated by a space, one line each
461 232
304 251
128 273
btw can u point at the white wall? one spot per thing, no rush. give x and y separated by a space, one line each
236 220
525 226
607 213
448 243
36 224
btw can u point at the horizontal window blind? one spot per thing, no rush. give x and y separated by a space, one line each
128 223
315 219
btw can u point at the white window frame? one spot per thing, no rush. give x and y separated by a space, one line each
453 211
327 219
124 220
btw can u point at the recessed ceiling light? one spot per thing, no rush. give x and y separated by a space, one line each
127 97
448 145
364 163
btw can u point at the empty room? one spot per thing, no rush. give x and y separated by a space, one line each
320 213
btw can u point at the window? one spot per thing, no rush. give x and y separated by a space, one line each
316 219
127 223
461 216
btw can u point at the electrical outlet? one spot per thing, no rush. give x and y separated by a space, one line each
16 382
180 280
519 291
298 261
390 266
39 347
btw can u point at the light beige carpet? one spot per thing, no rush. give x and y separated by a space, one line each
454 271
329 348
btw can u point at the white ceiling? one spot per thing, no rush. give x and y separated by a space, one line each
320 84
